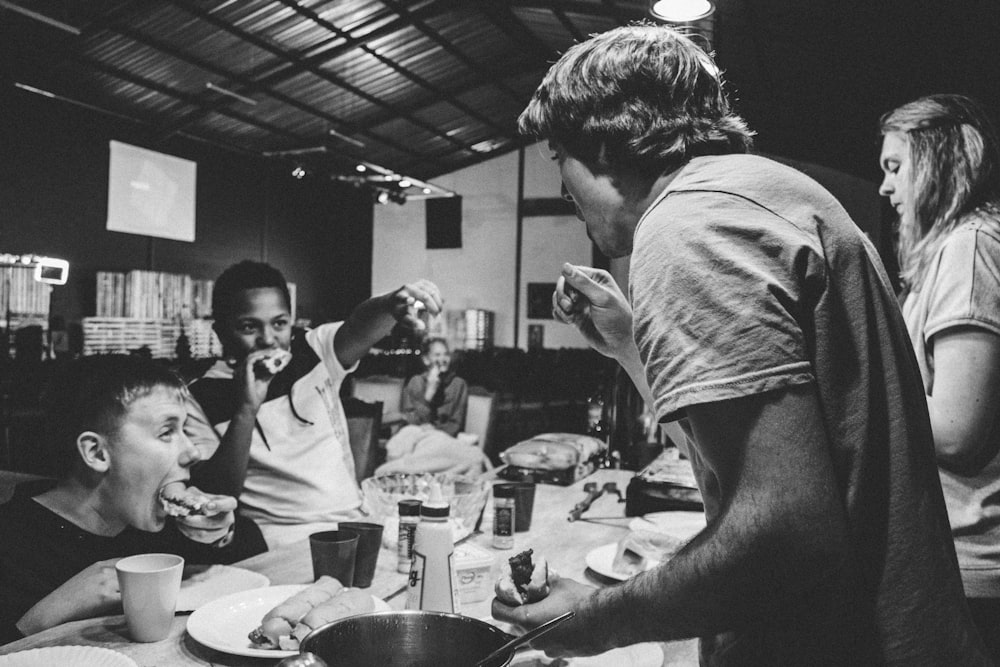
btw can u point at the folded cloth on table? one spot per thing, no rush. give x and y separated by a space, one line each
435 451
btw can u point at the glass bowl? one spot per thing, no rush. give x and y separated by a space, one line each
466 495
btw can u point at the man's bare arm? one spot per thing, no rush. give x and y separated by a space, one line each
780 532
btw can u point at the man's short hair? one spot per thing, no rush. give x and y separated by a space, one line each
245 275
93 394
642 98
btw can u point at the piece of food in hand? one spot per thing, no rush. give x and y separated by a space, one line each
642 550
318 604
572 293
523 579
178 500
272 363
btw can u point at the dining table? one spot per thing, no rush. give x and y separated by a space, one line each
564 543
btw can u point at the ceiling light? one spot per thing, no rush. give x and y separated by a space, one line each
299 172
426 191
361 168
24 11
680 11
488 145
405 183
228 93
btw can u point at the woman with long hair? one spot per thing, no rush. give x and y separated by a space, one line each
941 163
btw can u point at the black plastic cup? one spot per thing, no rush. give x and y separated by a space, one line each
334 553
369 544
524 505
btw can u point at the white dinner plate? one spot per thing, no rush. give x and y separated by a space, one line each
225 623
682 525
638 655
78 656
601 559
214 582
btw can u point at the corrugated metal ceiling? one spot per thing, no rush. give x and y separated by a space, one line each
425 87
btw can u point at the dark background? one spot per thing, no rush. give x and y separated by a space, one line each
53 201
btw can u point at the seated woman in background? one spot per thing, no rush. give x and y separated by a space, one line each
434 405
941 159
117 434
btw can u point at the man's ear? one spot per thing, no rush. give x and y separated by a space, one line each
93 449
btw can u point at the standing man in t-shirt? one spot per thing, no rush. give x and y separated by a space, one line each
275 435
761 316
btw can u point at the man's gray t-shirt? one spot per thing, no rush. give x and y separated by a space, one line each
748 277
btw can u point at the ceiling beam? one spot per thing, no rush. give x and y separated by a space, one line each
606 8
490 76
187 98
204 107
266 45
328 49
502 17
566 22
396 67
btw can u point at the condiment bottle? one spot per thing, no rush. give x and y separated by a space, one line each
503 515
433 585
409 518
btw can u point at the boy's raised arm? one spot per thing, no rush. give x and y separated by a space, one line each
374 318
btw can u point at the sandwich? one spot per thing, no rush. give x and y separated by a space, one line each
272 363
523 580
179 501
322 602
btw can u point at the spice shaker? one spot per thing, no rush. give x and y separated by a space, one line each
409 518
503 515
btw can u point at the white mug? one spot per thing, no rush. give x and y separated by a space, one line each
149 585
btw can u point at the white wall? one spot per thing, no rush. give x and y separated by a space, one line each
480 274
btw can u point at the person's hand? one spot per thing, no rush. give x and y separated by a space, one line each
433 381
251 387
212 526
406 303
91 592
565 640
590 300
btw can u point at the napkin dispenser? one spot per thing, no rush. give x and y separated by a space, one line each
553 458
666 484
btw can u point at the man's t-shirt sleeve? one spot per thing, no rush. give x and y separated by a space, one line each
722 293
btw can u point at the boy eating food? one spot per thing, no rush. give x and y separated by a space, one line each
117 430
278 441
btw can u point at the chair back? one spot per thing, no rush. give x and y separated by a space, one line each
383 389
479 416
363 423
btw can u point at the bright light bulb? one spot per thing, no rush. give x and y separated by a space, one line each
405 183
361 168
681 11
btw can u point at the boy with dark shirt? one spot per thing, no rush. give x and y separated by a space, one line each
118 423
